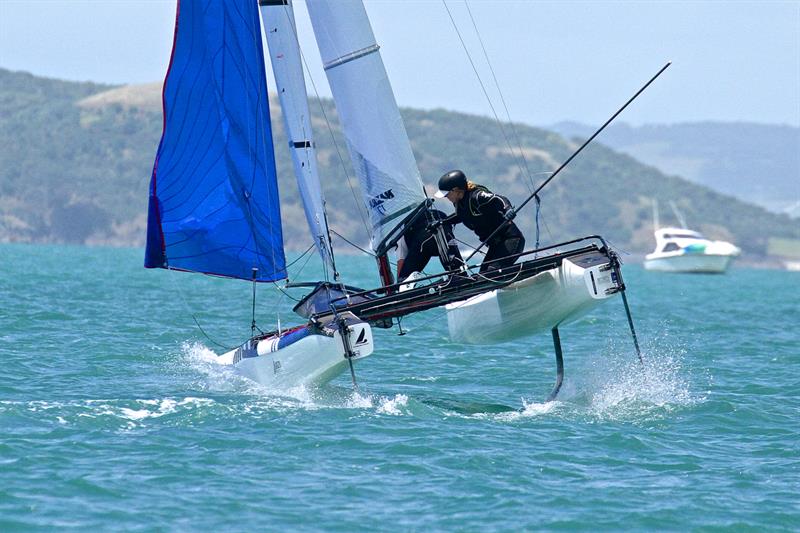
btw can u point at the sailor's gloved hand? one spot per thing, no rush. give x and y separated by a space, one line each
434 225
510 214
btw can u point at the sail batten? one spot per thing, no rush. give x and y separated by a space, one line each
214 205
351 56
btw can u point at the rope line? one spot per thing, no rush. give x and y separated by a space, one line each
189 310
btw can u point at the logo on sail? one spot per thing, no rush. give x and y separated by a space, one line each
377 201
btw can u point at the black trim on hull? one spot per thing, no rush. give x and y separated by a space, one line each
457 285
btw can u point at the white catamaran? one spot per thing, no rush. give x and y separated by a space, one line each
214 204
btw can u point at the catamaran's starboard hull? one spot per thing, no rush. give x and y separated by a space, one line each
313 360
540 303
699 263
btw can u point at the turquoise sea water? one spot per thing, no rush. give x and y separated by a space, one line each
114 417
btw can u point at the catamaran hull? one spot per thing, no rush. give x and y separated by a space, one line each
540 303
312 360
705 263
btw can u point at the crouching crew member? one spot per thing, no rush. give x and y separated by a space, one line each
418 246
483 212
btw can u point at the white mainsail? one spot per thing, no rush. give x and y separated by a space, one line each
277 19
377 139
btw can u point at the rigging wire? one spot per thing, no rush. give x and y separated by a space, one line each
468 245
574 154
226 348
351 243
285 294
486 93
305 264
274 283
300 257
538 212
526 174
502 98
282 290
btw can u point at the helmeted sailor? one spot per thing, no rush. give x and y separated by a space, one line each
483 212
418 246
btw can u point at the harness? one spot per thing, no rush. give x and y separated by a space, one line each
472 212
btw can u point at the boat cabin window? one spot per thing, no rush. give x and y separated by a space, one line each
670 247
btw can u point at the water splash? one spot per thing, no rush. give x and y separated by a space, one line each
529 410
208 374
396 405
615 386
393 406
199 352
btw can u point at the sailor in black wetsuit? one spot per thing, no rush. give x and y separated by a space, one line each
418 246
483 212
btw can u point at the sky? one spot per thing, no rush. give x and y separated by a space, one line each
553 60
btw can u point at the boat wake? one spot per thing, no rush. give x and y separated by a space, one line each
115 414
611 386
221 378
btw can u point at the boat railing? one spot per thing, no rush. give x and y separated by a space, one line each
533 251
467 283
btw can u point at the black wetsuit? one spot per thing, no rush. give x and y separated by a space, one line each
483 211
421 244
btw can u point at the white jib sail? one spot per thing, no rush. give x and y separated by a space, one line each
377 139
277 18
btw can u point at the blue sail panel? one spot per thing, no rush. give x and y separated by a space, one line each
214 205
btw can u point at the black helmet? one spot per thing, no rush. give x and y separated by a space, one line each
451 180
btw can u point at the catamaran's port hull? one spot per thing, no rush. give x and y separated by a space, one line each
311 361
540 303
699 263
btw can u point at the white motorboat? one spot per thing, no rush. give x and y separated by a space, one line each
684 250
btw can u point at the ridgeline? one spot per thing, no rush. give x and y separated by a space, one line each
76 159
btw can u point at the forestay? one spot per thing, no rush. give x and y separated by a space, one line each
376 137
277 18
214 204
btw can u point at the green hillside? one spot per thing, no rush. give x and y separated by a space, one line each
757 163
76 159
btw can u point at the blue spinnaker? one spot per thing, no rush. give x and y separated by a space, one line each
214 204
